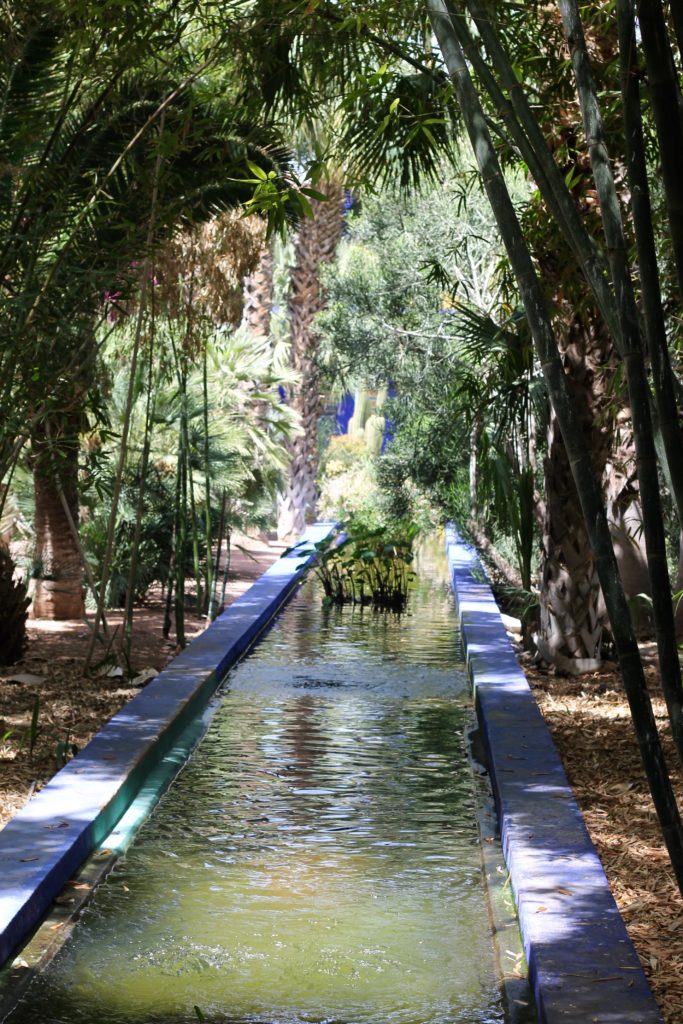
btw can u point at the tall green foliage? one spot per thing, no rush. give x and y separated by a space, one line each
85 88
406 309
168 535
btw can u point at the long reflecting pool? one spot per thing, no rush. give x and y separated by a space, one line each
317 859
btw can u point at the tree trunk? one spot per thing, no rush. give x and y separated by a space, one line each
572 613
316 244
570 624
13 615
58 568
258 296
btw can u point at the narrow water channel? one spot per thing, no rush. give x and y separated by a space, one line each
318 857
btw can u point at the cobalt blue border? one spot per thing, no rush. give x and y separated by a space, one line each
582 964
47 841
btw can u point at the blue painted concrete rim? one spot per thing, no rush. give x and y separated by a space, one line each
582 964
47 841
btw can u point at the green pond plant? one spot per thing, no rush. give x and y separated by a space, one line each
366 567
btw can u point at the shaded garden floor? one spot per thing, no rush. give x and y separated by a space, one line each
590 724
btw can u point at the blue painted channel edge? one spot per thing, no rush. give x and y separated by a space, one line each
46 842
582 964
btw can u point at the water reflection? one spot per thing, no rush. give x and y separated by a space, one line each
317 859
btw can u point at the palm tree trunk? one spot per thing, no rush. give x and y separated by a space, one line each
258 296
316 244
58 567
572 612
570 628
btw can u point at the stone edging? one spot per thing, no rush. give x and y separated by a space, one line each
46 842
582 964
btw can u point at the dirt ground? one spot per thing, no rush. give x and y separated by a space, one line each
588 718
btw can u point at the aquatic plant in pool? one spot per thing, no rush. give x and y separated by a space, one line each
366 567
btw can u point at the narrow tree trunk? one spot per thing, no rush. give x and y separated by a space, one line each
258 296
181 528
127 640
509 573
316 244
226 566
208 538
664 94
213 606
474 463
58 567
677 16
194 519
526 133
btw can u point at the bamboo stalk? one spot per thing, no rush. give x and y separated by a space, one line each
524 128
655 329
579 457
195 523
213 607
106 561
533 147
664 94
168 603
127 638
181 531
226 566
207 490
676 11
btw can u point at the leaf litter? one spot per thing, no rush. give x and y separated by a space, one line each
589 720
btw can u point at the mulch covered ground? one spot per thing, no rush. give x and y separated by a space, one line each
590 723
588 718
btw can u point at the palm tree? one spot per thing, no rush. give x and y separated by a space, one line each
315 245
258 295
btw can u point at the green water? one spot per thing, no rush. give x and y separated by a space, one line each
317 859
